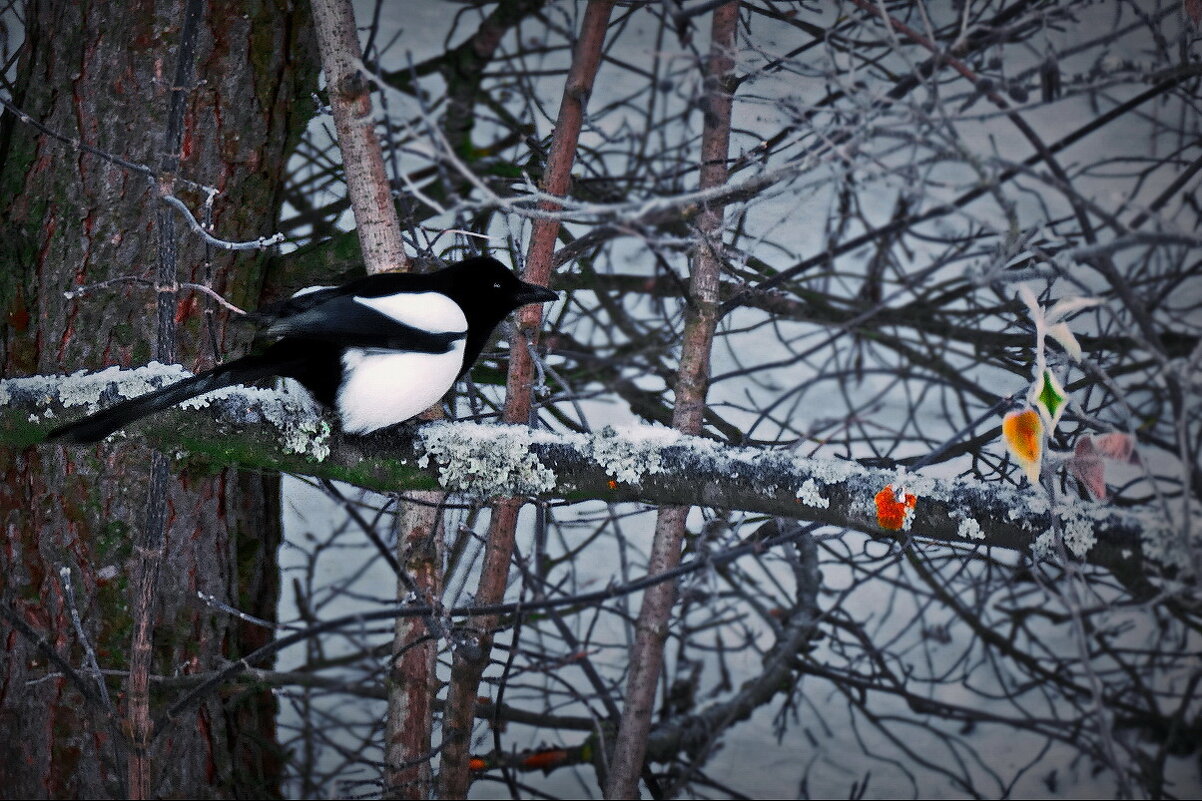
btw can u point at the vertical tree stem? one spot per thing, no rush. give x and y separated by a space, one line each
469 662
362 161
692 381
152 539
408 733
412 683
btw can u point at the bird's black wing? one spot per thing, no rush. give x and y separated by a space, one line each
304 300
369 286
343 320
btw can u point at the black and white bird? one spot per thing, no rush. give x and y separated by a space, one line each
377 350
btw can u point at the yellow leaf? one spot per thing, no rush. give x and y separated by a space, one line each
1023 434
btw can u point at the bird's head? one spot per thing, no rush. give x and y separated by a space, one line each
488 291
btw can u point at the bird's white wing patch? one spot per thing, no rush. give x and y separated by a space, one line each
382 388
429 311
309 290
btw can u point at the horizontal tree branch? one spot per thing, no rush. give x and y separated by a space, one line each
270 430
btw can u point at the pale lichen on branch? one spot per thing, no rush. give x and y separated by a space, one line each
637 463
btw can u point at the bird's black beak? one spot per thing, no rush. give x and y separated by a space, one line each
533 293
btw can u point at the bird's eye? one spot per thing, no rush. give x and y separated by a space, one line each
496 285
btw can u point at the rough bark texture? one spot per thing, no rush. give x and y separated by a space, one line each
101 73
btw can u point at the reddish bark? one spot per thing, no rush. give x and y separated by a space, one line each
692 381
413 683
70 217
469 663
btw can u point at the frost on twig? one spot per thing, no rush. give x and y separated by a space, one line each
267 429
298 429
260 243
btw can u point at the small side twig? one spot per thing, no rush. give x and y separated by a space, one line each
91 666
133 279
262 243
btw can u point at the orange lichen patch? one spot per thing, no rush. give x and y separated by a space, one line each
546 759
1023 435
476 763
894 508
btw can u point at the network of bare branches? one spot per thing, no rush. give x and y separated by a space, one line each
897 172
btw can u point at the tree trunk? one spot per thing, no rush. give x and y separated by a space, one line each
101 74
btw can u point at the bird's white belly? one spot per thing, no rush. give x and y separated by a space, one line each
384 387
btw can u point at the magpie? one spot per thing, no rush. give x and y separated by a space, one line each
377 350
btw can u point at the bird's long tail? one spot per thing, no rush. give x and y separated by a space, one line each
96 427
